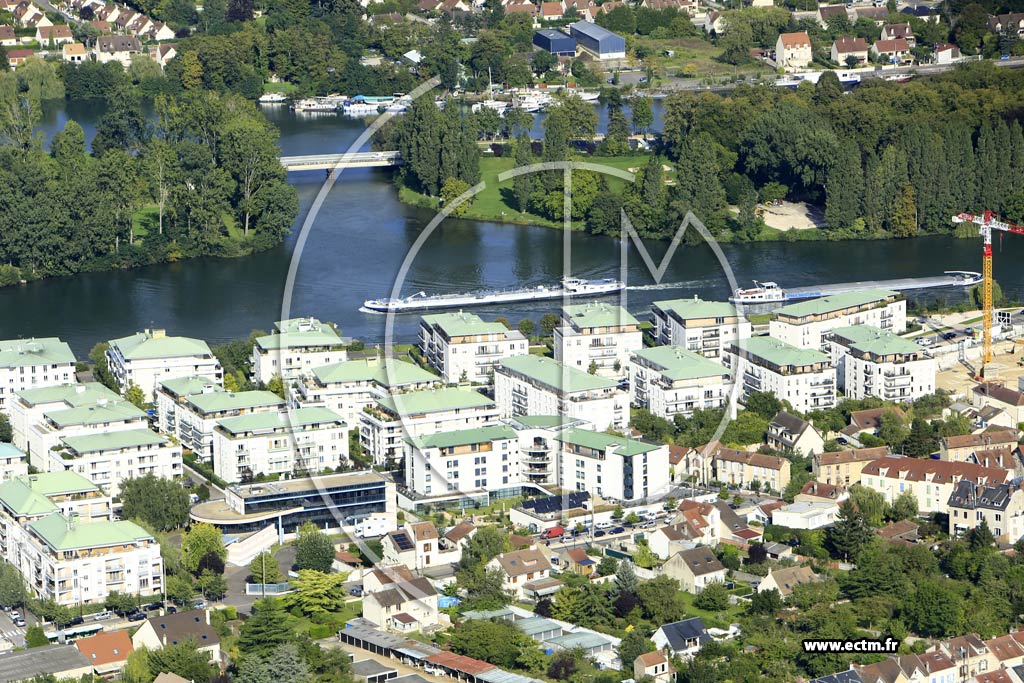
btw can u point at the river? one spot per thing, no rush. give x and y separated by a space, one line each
362 234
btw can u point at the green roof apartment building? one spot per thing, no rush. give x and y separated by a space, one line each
535 385
384 425
150 356
598 336
32 363
704 327
613 467
874 362
807 323
295 347
56 530
463 347
670 381
349 386
302 441
804 377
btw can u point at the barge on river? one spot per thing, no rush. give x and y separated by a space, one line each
569 287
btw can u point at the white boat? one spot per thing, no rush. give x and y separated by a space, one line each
497 105
360 109
793 80
569 287
586 96
315 104
761 292
965 278
532 101
272 98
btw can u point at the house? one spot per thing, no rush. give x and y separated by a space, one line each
171 629
295 347
460 534
521 567
805 324
996 395
742 468
818 492
806 515
870 420
970 653
704 327
551 11
32 363
845 47
903 531
874 362
107 651
585 9
895 51
695 523
732 528
694 569
789 433
579 562
54 35
965 448
417 547
826 12
396 600
1008 650
1000 506
803 376
655 666
878 15
75 53
681 638
13 462
597 337
1012 23
163 53
946 53
931 482
784 580
528 8
464 348
7 36
121 49
158 30
102 26
793 51
346 562
894 31
923 12
670 381
535 385
150 356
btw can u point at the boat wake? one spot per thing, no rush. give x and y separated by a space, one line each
663 285
364 309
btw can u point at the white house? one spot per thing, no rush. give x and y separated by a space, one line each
845 47
785 579
788 432
464 348
171 629
874 362
13 462
682 638
349 387
295 347
384 426
704 327
670 381
117 48
803 376
418 546
395 600
806 323
805 515
534 385
695 569
793 51
301 441
931 482
32 363
454 463
148 357
612 467
597 336
521 567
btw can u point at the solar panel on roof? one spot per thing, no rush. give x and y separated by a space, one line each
402 541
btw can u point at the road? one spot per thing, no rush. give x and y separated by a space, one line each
10 632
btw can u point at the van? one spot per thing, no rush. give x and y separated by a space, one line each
553 532
372 527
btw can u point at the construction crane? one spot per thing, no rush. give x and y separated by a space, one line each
987 222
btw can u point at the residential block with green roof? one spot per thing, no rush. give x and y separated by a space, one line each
44 426
669 381
535 385
481 459
300 440
30 405
610 466
874 362
806 323
597 337
196 415
33 496
296 346
464 348
107 458
704 327
804 377
32 363
151 356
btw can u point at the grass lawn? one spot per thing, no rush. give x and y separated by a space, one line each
699 59
283 88
712 619
145 219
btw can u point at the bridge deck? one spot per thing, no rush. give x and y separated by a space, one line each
313 162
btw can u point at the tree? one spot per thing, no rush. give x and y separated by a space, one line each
452 189
284 665
850 534
714 597
12 586
935 609
180 588
316 592
891 429
120 603
625 580
527 327
904 213
869 503
487 543
641 114
313 549
499 642
266 630
183 659
904 507
35 637
548 323
485 588
766 602
763 403
202 544
264 569
6 432
161 504
634 644
607 566
212 584
922 440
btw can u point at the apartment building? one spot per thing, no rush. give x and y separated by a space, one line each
538 449
931 482
597 337
612 467
28 406
964 448
172 393
350 386
103 416
56 530
1000 506
197 414
464 463
384 425
670 381
295 347
805 324
301 441
13 462
742 469
843 468
150 356
33 363
462 347
874 362
704 327
534 385
803 376
108 458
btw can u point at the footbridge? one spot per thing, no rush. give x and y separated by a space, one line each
320 162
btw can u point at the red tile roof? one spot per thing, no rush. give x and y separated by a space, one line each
939 471
798 39
466 665
108 647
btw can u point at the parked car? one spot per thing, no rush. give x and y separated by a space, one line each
553 532
153 606
357 591
949 335
136 616
171 609
19 622
618 530
199 604
76 621
599 533
102 616
603 525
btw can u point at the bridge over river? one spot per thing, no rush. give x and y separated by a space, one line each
321 162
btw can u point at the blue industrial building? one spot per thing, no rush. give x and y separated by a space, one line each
555 42
598 41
